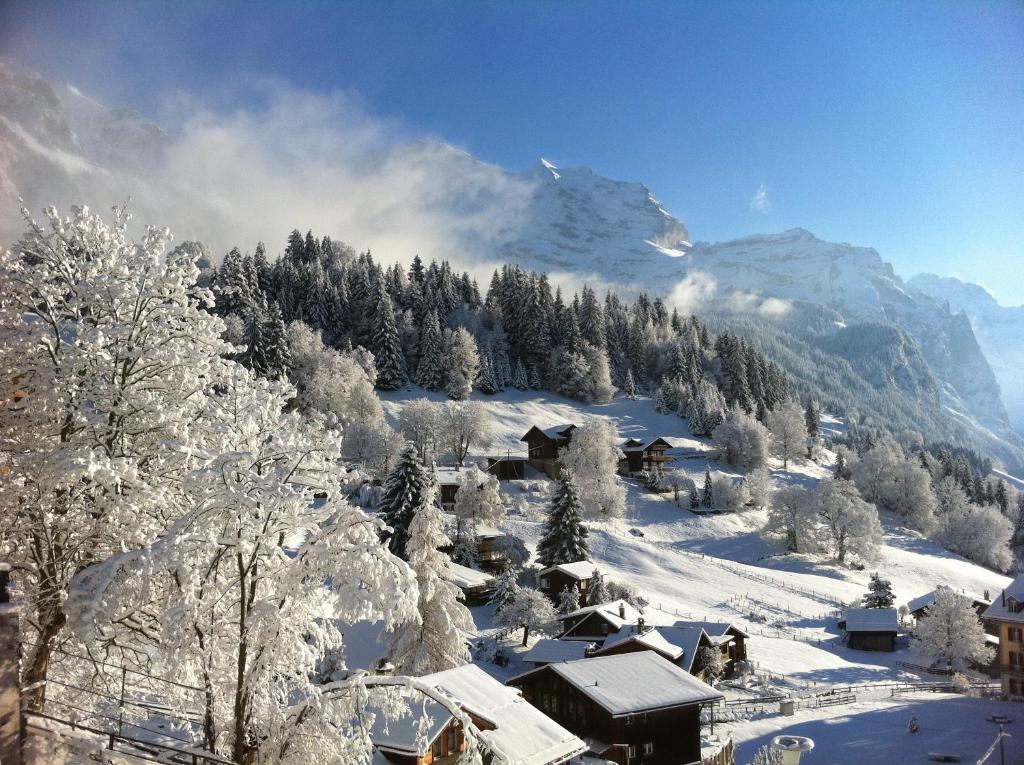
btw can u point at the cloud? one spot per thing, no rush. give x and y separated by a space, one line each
692 293
306 161
749 302
760 201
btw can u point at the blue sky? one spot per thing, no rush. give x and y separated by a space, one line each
894 125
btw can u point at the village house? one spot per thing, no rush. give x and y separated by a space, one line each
632 709
643 456
595 623
679 645
511 467
918 605
870 629
507 724
730 639
542 447
552 579
476 586
1007 614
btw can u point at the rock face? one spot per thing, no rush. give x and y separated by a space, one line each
999 331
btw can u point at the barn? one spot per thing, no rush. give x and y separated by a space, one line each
871 629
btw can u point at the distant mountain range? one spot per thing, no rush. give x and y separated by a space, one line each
57 146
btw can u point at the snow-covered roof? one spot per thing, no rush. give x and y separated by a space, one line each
548 650
581 569
488 532
402 735
617 612
632 682
1004 605
466 577
667 641
714 629
923 601
558 431
871 620
522 733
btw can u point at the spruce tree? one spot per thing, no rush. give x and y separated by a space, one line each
430 373
387 348
278 355
534 378
485 381
629 385
255 354
598 590
812 417
565 537
403 490
708 499
505 589
694 499
519 379
880 593
568 600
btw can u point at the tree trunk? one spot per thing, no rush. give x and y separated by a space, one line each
526 634
37 668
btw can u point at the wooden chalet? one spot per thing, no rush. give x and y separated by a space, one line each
511 467
595 623
632 709
476 586
505 722
979 603
730 639
870 629
542 447
643 456
679 645
552 579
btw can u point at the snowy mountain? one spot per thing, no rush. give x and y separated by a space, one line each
999 330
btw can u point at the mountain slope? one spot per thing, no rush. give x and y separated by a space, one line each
998 329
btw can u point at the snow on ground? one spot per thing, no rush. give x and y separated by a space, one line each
875 731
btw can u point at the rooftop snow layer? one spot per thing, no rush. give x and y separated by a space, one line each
923 601
581 569
871 620
1002 606
547 651
464 576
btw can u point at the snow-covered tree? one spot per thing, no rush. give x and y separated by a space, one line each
568 600
706 409
789 431
743 439
278 355
437 639
403 494
629 385
372 445
461 364
387 347
793 517
530 611
981 534
709 660
505 589
708 491
592 459
519 378
230 598
478 499
106 361
951 632
419 422
759 486
879 593
430 372
597 593
730 493
464 425
851 523
564 539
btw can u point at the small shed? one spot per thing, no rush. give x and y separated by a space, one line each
511 467
871 629
476 586
552 579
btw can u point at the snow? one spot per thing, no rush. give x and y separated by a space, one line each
667 641
923 601
581 569
633 682
463 576
548 650
871 620
1000 608
523 733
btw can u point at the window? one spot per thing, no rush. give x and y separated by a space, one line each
1014 635
1014 688
453 745
606 627
545 582
1016 659
649 748
438 751
631 752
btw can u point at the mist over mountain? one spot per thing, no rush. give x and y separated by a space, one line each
238 178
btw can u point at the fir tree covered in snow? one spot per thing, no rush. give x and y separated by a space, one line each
708 493
597 593
879 593
437 639
403 492
430 373
387 348
564 539
505 589
568 600
461 363
519 379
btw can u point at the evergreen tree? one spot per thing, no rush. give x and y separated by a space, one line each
694 499
879 593
629 385
568 600
387 348
278 355
564 539
597 593
430 373
505 589
485 381
255 355
708 498
812 419
519 379
403 490
534 379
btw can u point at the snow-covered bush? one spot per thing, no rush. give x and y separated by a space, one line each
961 683
743 439
730 493
788 428
980 534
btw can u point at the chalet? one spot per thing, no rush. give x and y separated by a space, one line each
552 579
595 623
448 482
632 709
870 629
548 651
731 640
476 586
678 645
542 447
489 551
1007 614
919 605
643 456
508 468
506 723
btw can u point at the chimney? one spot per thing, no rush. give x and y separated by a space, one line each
622 610
987 598
640 626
